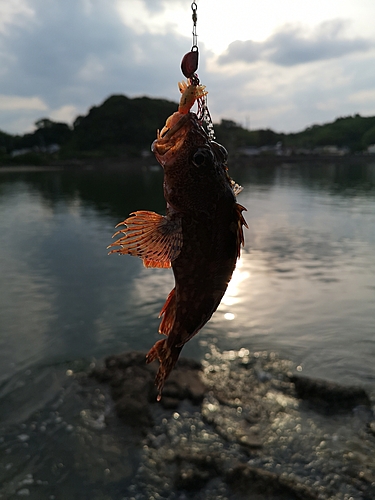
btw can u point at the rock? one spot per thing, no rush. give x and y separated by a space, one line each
134 412
195 470
226 432
329 396
185 383
191 478
245 478
250 440
133 389
371 427
230 425
170 403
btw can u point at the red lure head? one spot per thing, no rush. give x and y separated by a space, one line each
189 63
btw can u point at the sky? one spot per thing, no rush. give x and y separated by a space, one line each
279 64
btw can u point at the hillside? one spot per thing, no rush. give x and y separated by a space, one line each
125 127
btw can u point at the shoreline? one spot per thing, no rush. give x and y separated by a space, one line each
235 161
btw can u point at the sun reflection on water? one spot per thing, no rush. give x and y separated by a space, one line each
229 316
232 295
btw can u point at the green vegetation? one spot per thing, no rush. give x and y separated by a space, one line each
119 126
353 132
125 127
233 136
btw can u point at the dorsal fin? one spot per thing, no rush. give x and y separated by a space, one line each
152 237
236 188
239 229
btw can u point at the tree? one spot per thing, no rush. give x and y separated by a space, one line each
121 124
49 132
368 138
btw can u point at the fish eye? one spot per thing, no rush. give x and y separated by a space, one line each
202 156
222 152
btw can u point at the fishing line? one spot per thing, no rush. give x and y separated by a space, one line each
189 66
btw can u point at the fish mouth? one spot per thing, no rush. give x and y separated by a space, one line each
172 136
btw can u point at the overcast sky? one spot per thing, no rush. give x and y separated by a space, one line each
280 64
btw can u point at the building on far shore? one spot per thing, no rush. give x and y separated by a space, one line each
50 149
279 150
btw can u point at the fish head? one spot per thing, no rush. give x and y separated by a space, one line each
194 165
180 134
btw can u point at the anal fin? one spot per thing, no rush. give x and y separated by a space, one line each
168 313
152 237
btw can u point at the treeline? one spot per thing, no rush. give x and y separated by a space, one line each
120 126
126 127
353 132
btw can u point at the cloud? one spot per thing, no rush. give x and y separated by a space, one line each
18 113
68 49
76 53
66 114
49 51
10 12
291 45
290 98
57 59
157 6
10 102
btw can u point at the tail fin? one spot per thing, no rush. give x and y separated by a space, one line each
167 357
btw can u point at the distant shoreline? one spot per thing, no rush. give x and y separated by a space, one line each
262 160
236 161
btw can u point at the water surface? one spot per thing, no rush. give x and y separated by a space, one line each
304 287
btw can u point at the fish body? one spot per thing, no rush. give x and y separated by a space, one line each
199 237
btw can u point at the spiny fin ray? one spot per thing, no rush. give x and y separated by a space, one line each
167 357
156 239
239 229
168 313
236 187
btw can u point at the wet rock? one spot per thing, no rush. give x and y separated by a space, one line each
245 478
328 396
190 477
134 412
170 403
185 383
250 440
132 387
133 390
371 427
195 470
231 424
223 431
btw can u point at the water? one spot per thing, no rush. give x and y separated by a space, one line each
304 288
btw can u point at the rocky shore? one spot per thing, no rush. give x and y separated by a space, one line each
242 425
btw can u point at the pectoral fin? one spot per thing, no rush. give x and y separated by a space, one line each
152 237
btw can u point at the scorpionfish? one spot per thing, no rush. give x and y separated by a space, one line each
199 237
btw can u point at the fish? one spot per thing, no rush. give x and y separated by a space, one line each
200 236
